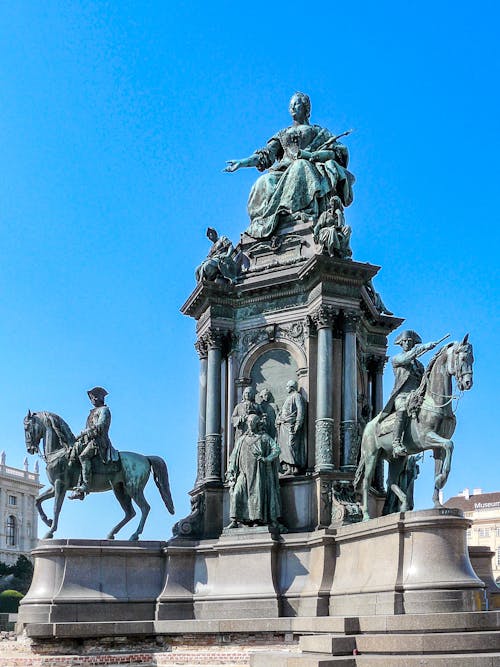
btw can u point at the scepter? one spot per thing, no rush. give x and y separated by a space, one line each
332 140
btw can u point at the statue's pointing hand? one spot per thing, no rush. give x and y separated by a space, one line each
232 165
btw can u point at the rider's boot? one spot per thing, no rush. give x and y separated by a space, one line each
398 449
80 491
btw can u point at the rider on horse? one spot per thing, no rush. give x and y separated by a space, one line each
408 373
94 440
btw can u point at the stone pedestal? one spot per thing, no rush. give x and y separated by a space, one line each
400 564
481 559
94 581
292 315
408 563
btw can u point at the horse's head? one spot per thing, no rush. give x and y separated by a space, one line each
460 360
33 432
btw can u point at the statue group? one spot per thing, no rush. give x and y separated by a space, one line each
304 188
269 442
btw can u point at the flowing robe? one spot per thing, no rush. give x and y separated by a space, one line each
296 185
255 495
291 430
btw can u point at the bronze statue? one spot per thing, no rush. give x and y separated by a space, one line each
290 423
220 262
431 426
408 372
269 411
307 165
127 477
253 478
94 440
377 299
247 406
331 231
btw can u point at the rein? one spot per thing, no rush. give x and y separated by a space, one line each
451 398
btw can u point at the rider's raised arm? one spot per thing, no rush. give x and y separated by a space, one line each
405 358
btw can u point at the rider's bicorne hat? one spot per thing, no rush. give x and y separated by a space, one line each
98 392
409 333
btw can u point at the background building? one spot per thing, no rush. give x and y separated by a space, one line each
18 515
484 510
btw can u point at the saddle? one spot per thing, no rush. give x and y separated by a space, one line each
387 425
100 468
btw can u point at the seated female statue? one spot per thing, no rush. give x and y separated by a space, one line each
307 166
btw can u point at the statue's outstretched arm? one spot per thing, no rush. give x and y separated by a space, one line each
233 165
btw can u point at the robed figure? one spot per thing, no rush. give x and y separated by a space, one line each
307 166
253 477
290 424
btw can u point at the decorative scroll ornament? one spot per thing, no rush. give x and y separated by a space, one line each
192 525
345 508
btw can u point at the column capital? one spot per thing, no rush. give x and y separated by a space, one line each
324 316
376 363
201 348
351 320
214 338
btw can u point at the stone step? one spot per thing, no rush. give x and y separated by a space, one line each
294 659
430 660
420 643
290 659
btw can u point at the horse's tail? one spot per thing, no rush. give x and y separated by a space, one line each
160 474
359 471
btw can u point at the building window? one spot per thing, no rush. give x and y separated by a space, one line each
484 532
469 534
12 500
11 533
498 556
497 530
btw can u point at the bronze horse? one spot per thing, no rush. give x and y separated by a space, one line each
431 426
127 478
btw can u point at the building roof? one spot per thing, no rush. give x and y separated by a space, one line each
481 501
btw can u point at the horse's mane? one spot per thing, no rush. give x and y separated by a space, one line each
416 397
62 429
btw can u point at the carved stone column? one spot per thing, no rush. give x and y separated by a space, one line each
201 348
323 319
214 340
349 425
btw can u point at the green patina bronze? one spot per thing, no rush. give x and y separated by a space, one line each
104 469
307 166
253 478
429 418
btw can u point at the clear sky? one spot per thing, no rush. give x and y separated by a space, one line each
117 119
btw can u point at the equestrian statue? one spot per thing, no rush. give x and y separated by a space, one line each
89 463
418 416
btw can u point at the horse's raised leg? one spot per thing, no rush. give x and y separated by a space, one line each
59 494
443 451
126 503
143 505
46 495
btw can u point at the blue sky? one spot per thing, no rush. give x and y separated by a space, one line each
117 119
